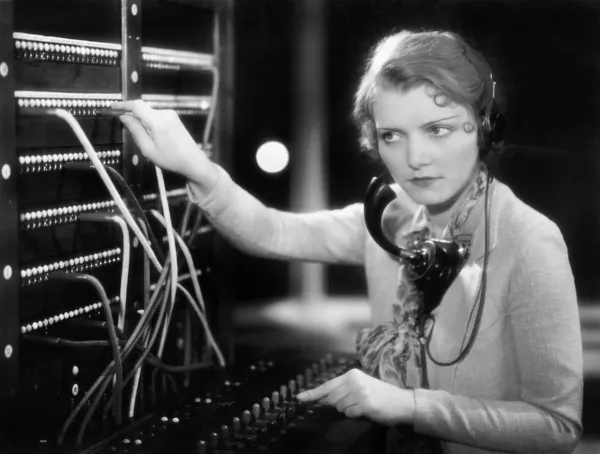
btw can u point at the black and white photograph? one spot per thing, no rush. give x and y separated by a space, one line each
299 226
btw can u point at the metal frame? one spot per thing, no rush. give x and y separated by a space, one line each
9 261
223 154
131 85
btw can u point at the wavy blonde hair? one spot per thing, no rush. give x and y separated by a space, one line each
457 72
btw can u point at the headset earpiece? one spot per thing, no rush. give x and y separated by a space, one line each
492 121
495 126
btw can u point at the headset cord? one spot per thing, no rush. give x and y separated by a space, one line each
426 344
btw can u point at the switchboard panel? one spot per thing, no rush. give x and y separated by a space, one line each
94 334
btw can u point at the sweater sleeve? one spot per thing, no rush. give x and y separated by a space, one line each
328 236
543 316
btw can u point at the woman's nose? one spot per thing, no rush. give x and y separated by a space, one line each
417 153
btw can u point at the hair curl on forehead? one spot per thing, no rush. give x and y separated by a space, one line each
456 72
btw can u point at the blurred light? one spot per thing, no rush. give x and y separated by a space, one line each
272 157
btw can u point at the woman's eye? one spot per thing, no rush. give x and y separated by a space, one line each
439 131
389 137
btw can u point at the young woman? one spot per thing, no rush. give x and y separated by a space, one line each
506 378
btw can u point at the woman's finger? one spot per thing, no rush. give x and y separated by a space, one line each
321 391
142 110
139 133
345 403
338 394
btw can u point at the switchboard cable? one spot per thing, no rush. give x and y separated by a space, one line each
184 368
135 205
186 218
139 210
118 366
92 324
143 325
105 379
102 217
100 168
143 322
194 305
174 263
136 382
100 393
147 348
195 228
72 122
187 352
137 374
146 296
172 253
188 258
194 277
206 138
133 396
151 359
205 323
108 182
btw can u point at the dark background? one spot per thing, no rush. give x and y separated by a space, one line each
545 56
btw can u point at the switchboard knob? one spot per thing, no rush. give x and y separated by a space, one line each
214 440
292 387
329 359
236 425
283 391
246 418
256 411
224 432
308 374
300 381
201 447
266 404
275 398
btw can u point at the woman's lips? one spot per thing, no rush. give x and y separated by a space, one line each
424 181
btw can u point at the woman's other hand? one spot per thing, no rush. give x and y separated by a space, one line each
162 138
357 394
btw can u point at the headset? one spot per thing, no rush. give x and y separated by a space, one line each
492 121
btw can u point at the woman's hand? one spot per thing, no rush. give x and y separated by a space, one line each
162 138
358 394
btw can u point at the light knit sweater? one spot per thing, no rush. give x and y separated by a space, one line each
520 389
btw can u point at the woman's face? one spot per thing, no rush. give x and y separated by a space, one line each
431 151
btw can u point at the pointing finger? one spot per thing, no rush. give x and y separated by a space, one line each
321 391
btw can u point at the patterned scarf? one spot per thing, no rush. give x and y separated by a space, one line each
392 352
